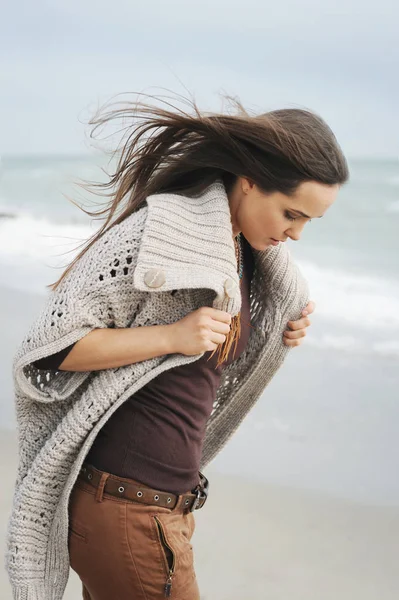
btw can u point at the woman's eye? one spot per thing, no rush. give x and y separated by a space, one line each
290 217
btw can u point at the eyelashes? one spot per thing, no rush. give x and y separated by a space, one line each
291 218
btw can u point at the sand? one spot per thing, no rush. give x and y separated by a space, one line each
256 541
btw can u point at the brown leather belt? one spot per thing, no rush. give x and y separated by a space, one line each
127 488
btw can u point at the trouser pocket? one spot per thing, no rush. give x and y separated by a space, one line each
170 558
78 531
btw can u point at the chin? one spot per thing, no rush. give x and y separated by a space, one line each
261 247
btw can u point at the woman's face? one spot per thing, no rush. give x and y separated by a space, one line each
263 218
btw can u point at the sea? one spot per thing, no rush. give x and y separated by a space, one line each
329 419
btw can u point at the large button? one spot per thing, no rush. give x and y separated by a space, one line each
154 278
230 287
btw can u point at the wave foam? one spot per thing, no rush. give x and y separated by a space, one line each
350 345
37 239
366 302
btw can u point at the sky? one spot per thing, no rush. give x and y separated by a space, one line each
59 61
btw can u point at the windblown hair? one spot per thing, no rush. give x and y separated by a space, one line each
165 150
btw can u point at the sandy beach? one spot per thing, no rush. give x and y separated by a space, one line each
271 541
262 542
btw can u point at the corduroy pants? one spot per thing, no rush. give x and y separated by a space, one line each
124 550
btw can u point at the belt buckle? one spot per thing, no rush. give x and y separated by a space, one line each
201 493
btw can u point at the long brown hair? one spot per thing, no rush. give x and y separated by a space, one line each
168 149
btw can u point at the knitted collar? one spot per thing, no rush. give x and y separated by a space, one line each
190 239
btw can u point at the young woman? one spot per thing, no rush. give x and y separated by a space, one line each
156 342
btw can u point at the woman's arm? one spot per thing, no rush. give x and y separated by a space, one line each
111 348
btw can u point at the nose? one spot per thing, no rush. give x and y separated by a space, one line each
295 232
294 236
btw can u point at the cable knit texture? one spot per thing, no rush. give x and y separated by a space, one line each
184 246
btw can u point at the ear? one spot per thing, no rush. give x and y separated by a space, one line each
246 184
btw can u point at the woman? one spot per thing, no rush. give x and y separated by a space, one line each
156 342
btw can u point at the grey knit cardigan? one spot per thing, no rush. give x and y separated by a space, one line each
171 256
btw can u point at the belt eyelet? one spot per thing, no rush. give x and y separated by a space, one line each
139 494
121 489
156 497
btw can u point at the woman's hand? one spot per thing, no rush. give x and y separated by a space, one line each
200 331
297 329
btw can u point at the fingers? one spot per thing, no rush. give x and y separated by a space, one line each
217 338
292 343
216 314
219 326
295 335
294 338
295 325
309 309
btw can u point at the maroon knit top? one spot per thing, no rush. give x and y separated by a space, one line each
156 435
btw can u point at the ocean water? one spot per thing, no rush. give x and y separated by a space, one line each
328 419
350 257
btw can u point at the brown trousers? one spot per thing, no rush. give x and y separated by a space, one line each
124 550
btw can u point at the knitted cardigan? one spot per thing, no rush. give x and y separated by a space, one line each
173 255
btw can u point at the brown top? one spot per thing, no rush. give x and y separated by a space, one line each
156 435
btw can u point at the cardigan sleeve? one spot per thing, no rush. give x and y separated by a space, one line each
98 292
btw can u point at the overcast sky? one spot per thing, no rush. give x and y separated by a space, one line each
59 60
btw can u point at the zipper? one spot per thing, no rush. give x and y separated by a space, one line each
168 584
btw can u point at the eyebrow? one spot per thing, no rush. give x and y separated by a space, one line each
303 214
